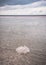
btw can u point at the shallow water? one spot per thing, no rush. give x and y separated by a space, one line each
29 31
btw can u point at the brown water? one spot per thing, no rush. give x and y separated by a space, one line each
18 31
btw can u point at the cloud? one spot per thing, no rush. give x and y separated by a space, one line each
15 2
37 8
38 4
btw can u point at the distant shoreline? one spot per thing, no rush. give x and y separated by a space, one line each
22 15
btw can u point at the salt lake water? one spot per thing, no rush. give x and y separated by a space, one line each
17 31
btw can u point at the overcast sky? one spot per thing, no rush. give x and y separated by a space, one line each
22 7
16 2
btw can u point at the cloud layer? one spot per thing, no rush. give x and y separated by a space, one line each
37 8
16 2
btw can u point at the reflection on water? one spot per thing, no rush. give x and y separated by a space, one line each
29 31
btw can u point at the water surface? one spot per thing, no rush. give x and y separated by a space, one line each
30 31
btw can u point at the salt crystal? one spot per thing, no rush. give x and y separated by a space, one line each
22 49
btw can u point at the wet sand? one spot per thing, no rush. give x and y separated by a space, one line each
18 31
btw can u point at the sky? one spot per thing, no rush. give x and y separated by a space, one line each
16 2
22 7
